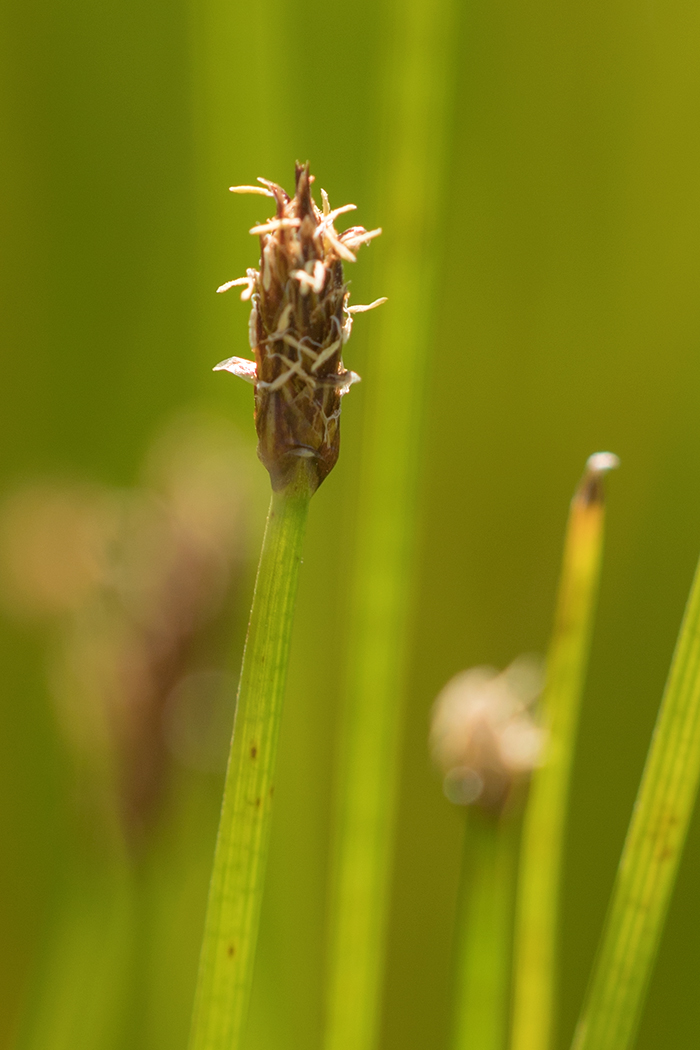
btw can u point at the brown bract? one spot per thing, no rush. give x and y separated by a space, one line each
299 323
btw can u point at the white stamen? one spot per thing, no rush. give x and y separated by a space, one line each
329 219
356 239
272 186
253 325
291 340
279 382
266 267
338 246
234 284
251 189
325 354
293 366
326 203
315 280
283 322
364 309
274 224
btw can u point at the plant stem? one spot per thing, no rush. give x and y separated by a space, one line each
418 88
235 895
485 925
537 909
651 854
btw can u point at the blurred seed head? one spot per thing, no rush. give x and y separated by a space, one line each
55 540
135 582
483 735
299 323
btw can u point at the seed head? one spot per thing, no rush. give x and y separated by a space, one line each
483 736
299 322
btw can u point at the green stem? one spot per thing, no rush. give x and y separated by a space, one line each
651 854
537 911
235 895
485 918
418 89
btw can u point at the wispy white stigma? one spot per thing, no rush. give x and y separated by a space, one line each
251 189
364 309
238 366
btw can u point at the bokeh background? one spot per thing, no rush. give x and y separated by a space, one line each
566 320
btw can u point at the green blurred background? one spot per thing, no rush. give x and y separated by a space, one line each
567 321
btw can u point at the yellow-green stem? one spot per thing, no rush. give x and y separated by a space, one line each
235 895
537 911
485 933
651 854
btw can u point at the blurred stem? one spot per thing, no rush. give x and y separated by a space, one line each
415 139
484 933
82 995
651 854
537 911
235 895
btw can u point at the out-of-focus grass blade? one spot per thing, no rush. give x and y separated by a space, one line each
538 888
82 995
416 145
485 933
651 854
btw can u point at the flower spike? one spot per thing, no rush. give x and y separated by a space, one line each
299 323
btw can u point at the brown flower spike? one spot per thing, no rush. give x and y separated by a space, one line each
299 322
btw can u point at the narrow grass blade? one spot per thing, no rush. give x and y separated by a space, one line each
651 854
485 933
235 896
416 143
543 833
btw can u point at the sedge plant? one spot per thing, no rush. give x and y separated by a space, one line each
537 910
299 323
